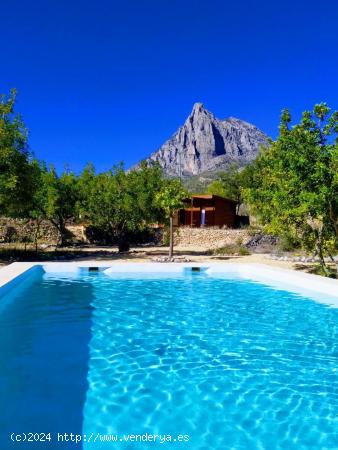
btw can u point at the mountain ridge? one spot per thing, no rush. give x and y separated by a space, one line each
205 143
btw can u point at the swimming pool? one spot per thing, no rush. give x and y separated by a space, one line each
211 359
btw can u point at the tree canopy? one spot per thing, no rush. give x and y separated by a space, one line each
121 203
294 189
17 182
170 199
230 184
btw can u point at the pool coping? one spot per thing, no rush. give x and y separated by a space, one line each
298 282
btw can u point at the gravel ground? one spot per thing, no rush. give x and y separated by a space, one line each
193 254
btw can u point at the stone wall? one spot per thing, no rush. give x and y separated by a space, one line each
209 238
24 231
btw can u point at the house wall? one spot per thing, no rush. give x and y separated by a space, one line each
192 217
219 212
225 213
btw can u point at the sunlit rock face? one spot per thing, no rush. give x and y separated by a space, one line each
205 144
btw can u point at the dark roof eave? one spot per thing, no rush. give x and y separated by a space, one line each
210 197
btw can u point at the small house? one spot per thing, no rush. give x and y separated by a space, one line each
207 210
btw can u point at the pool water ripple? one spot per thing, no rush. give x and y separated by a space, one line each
233 364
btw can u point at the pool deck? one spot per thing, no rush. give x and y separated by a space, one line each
14 270
325 290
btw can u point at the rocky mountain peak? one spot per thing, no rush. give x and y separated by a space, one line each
198 112
198 108
206 144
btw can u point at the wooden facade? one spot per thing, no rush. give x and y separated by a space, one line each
206 210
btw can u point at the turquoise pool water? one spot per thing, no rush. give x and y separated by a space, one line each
225 363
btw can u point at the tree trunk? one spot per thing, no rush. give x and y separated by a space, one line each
335 263
319 252
37 235
123 242
63 233
171 234
59 225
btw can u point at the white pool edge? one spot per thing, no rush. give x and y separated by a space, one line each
314 286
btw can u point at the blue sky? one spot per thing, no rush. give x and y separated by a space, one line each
110 81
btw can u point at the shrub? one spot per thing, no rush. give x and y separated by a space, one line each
10 234
231 249
239 241
243 251
287 243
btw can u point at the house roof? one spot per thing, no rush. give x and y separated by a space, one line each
211 196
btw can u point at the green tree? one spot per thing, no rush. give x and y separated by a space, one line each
231 183
121 203
56 199
294 188
145 183
170 199
85 184
16 173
